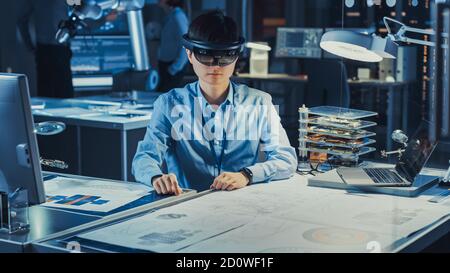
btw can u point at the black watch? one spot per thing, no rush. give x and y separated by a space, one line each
248 173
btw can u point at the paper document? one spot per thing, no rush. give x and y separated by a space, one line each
91 195
166 230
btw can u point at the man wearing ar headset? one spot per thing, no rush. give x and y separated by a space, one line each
213 133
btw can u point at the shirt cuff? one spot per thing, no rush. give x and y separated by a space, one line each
146 178
153 177
258 174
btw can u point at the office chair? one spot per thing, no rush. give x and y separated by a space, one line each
327 84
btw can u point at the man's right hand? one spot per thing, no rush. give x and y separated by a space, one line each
166 184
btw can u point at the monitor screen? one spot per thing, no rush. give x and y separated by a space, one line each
100 54
299 42
420 147
19 158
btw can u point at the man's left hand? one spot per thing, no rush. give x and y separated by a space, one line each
230 181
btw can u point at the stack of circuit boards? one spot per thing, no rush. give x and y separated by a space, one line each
338 133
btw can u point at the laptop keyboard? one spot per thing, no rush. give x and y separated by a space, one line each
384 176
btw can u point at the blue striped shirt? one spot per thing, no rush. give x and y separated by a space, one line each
197 142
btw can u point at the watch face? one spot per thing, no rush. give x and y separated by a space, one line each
248 172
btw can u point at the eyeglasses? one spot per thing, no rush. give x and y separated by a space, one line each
216 57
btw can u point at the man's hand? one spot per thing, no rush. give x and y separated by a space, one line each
166 184
230 181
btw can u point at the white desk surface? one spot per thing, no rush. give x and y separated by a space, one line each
283 216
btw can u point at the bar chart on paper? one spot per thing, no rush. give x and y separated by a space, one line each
91 195
76 200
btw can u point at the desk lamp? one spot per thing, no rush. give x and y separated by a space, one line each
373 48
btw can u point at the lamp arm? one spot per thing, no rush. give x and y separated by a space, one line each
400 36
386 19
414 41
419 30
404 28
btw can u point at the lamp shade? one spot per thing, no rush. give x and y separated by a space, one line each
258 46
358 46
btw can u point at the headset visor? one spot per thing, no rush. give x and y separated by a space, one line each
216 57
214 54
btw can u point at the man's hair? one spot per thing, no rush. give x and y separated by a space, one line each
175 3
214 27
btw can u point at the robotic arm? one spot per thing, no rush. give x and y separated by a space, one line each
93 10
96 9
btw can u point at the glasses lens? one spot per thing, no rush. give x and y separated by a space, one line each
216 58
204 59
227 60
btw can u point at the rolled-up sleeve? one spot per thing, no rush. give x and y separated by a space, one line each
281 159
151 150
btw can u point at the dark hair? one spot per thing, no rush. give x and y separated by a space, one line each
175 3
214 27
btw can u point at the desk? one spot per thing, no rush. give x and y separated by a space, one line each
263 223
47 221
96 143
43 222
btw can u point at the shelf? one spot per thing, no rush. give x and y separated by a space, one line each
331 151
336 131
338 112
350 145
340 133
351 125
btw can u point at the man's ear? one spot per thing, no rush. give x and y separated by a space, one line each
189 55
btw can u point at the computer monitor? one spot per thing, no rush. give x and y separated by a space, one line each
19 154
299 43
100 54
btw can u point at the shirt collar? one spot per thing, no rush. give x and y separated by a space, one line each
228 101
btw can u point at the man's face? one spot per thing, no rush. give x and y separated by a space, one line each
213 75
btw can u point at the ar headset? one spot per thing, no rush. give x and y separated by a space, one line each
214 54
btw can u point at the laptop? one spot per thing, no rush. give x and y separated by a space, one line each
416 155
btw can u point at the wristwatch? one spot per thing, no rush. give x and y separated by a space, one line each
248 173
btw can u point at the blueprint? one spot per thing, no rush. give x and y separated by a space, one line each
284 216
166 230
91 195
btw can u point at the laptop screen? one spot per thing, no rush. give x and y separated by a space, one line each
420 147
